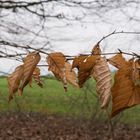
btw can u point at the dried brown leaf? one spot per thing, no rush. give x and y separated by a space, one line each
96 50
30 82
136 72
56 62
30 63
124 92
85 65
117 61
78 60
103 77
36 77
71 75
14 81
137 63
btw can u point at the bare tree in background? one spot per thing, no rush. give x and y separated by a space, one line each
35 25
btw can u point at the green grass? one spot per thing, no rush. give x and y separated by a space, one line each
53 100
49 99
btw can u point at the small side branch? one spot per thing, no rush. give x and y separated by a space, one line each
114 33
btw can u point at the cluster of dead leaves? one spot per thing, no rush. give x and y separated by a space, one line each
23 75
88 66
125 92
61 69
95 66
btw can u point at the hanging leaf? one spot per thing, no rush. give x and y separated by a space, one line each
138 64
30 63
96 50
56 62
14 81
85 65
136 72
124 92
36 77
117 61
30 82
103 77
71 75
78 60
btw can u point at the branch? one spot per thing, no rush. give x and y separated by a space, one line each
114 33
72 57
3 42
109 53
20 4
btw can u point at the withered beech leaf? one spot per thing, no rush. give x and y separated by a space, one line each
125 93
71 76
56 62
36 77
30 63
30 82
103 77
85 66
117 61
96 50
14 81
78 60
136 72
138 64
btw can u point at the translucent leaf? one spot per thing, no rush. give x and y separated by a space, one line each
14 81
56 62
85 66
125 93
30 63
36 77
96 50
103 77
71 76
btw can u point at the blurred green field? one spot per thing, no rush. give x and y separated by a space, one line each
52 99
49 99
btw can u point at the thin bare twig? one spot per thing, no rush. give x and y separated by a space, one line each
114 33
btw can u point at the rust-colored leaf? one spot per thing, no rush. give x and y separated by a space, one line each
14 81
30 82
78 60
117 61
138 64
56 62
103 77
85 65
30 63
96 50
136 72
71 75
124 92
36 76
